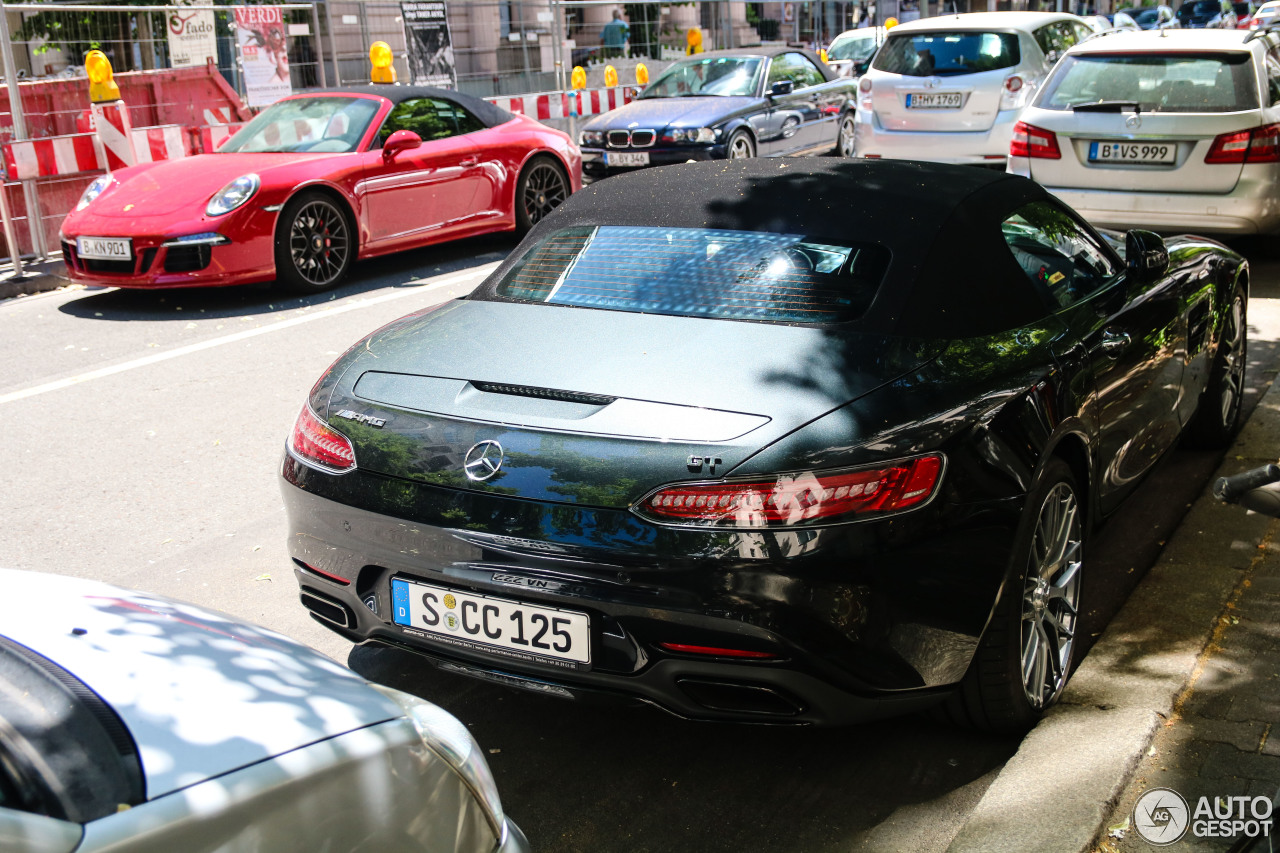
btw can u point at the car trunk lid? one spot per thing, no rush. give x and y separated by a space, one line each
593 406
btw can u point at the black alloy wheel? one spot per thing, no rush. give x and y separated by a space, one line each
314 243
543 186
1217 416
1024 659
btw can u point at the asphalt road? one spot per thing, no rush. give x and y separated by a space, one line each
141 435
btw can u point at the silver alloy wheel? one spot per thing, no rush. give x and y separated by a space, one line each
1233 379
848 137
740 147
545 188
319 242
1051 597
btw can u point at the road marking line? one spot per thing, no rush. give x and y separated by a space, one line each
399 293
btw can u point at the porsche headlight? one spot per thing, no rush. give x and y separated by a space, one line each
592 138
94 190
233 195
448 738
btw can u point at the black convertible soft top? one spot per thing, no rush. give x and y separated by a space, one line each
951 273
490 115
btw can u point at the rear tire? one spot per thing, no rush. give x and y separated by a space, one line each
543 186
1024 659
315 243
1217 416
846 137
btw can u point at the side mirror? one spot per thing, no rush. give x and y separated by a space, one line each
1145 256
782 87
401 140
860 68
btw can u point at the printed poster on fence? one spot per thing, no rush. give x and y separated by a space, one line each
264 53
192 39
426 35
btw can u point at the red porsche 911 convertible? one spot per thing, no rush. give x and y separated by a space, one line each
317 181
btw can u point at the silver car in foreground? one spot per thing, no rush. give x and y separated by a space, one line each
132 723
1170 132
948 89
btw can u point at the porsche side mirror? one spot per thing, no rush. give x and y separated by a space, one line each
782 87
401 140
1145 256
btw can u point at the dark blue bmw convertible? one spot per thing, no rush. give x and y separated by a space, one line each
726 105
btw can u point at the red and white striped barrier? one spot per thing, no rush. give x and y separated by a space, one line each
211 138
115 135
167 142
43 158
553 105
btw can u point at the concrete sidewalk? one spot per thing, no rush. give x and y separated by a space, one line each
1181 691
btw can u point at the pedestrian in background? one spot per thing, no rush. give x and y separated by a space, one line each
615 35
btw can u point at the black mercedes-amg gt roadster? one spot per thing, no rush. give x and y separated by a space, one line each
767 441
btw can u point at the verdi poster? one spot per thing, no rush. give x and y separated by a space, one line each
264 53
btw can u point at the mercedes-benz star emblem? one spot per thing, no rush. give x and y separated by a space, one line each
482 461
932 82
1133 122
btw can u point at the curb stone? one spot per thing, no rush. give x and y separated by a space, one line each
38 278
1057 792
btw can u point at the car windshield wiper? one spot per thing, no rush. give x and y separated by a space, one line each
1107 107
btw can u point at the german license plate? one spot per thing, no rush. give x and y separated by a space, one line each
515 629
626 158
934 100
1132 152
105 248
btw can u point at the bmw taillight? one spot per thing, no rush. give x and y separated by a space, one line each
1035 142
797 499
1256 145
315 443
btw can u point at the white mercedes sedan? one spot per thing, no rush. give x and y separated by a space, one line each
1172 131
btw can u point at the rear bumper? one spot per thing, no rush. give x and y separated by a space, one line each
872 621
989 147
1253 207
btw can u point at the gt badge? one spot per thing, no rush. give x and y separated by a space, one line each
695 463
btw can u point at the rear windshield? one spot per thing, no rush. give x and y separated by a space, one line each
857 48
1159 83
943 54
695 272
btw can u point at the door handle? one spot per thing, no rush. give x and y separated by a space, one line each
468 162
1114 343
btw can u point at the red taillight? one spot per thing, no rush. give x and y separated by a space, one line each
714 651
792 499
1013 84
864 85
314 442
1256 145
338 579
1031 141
